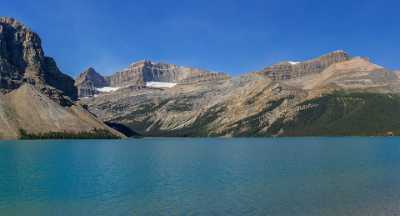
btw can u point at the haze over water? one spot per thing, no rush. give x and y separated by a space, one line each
165 176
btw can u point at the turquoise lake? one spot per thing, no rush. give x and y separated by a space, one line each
167 176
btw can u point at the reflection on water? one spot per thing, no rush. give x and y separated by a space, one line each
307 176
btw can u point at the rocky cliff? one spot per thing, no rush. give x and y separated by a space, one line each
22 60
292 70
36 99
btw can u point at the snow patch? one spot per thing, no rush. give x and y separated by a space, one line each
107 89
160 84
294 62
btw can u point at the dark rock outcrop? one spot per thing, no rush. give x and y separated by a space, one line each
22 60
88 82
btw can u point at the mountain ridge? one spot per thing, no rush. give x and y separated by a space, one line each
139 73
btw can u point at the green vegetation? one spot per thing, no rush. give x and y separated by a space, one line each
346 114
94 134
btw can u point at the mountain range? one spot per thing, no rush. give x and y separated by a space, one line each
336 94
332 95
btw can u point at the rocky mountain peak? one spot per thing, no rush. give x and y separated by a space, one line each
88 82
90 74
140 72
22 60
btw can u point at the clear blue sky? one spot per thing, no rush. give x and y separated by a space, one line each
234 36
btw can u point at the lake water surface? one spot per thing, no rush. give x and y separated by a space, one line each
305 176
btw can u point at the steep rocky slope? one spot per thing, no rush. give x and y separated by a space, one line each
250 105
35 97
30 110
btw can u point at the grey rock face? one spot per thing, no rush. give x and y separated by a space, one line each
146 71
291 70
88 82
22 60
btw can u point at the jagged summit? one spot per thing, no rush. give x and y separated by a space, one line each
87 75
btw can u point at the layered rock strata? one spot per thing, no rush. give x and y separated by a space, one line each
293 70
